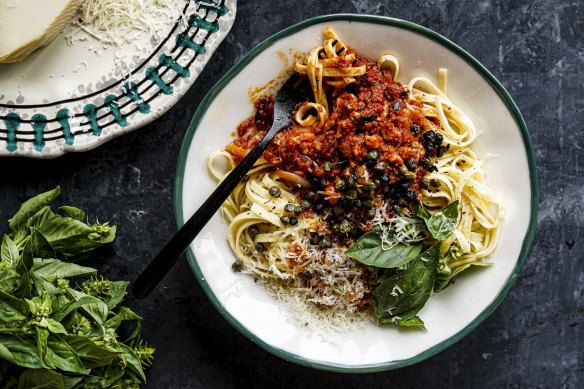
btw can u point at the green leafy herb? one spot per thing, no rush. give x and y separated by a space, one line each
442 223
59 320
369 250
442 281
399 298
30 207
40 379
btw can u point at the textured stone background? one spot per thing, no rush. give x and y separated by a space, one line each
534 339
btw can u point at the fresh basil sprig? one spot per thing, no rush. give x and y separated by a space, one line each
442 223
369 250
399 298
59 321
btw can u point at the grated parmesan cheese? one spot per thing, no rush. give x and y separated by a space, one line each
122 22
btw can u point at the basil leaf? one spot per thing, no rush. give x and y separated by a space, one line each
9 315
412 322
402 296
71 237
443 222
72 382
124 314
14 303
89 353
42 285
132 360
9 251
36 246
55 327
110 375
443 281
40 379
30 207
21 351
42 337
61 356
73 212
9 280
116 292
368 250
91 305
421 212
51 269
387 274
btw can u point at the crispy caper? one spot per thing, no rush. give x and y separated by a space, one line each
340 184
293 221
237 266
345 227
411 163
315 238
289 208
253 231
370 214
373 154
327 166
326 243
369 186
260 247
351 195
415 129
275 191
410 176
319 207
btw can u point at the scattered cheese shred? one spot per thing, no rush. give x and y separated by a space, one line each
120 22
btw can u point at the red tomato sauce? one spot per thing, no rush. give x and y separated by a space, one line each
374 134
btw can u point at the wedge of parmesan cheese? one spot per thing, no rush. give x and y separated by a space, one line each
26 25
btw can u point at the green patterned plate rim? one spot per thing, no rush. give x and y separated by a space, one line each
128 100
494 83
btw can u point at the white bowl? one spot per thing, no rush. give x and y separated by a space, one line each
448 315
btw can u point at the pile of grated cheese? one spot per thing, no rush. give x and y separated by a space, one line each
122 22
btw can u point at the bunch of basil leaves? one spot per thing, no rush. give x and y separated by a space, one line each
59 322
412 270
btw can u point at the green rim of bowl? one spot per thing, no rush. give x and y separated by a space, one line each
496 85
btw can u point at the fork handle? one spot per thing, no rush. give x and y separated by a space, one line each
168 256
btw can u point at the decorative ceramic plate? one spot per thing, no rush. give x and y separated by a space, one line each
449 315
69 96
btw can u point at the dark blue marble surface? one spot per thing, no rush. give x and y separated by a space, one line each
534 339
